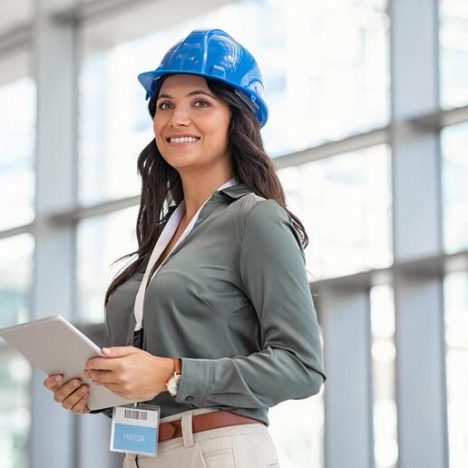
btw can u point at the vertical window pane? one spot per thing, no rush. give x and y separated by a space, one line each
383 374
456 338
454 142
297 429
326 70
15 414
111 130
15 372
101 241
17 134
344 203
15 279
454 53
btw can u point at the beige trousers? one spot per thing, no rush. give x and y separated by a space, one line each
242 446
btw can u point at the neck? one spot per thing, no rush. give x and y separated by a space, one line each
197 189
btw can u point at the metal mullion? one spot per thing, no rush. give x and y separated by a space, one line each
17 37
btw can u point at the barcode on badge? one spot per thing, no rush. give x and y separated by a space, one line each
135 414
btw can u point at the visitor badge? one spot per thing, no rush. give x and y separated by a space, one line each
135 429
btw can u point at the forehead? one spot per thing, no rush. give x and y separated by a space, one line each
182 82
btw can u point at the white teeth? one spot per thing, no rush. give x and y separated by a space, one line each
183 140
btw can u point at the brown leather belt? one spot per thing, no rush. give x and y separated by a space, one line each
203 422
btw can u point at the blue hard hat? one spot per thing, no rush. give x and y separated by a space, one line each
212 53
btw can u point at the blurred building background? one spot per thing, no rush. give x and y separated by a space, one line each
369 130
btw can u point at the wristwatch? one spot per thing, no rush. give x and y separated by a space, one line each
173 383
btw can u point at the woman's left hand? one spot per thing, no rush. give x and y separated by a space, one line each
130 372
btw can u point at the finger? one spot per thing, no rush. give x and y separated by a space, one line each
100 364
53 381
75 397
66 390
120 351
80 406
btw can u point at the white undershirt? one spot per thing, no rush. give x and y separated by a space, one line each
163 240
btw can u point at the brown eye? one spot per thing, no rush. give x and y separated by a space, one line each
160 106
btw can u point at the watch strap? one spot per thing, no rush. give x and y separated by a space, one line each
177 365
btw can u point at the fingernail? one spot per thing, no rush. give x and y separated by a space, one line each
58 379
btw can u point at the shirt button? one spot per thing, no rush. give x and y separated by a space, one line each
189 398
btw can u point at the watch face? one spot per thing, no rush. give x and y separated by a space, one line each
172 384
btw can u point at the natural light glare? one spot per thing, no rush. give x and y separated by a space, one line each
297 429
454 142
101 241
344 203
456 339
453 62
17 134
15 416
325 68
383 354
16 254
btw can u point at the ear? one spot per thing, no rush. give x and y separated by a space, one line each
231 123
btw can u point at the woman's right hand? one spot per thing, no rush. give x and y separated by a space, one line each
72 395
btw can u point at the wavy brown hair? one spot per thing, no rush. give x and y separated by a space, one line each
161 183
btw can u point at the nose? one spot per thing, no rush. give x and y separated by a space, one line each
180 117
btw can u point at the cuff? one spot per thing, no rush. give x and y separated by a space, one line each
195 381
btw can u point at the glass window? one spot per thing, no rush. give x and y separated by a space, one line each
383 376
15 412
456 339
454 141
325 68
453 53
113 129
297 429
17 135
15 279
15 372
344 203
101 240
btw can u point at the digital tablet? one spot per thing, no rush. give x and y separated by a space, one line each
55 346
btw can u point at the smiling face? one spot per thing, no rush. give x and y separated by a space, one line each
191 124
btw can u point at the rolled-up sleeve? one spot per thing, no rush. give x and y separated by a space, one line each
290 363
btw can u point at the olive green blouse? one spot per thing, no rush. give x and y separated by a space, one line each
233 301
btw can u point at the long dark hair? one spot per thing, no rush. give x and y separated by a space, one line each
161 183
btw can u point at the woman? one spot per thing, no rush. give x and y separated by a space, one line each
229 327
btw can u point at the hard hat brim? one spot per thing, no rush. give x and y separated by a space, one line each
146 79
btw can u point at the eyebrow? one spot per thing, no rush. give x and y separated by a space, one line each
197 91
